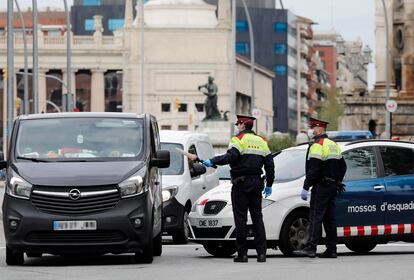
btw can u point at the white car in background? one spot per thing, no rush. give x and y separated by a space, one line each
375 208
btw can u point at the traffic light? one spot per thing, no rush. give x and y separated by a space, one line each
4 73
17 102
177 103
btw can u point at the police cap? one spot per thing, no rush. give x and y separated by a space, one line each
245 119
315 122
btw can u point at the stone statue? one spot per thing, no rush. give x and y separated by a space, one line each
210 90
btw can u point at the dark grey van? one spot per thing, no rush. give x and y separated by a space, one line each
83 183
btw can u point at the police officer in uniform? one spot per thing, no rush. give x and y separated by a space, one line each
325 170
247 154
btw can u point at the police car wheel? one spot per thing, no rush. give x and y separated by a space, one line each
294 233
219 250
360 247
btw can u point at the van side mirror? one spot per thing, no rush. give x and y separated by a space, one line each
161 159
197 170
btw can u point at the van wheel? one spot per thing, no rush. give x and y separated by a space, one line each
147 254
294 233
360 247
219 250
181 236
13 257
158 245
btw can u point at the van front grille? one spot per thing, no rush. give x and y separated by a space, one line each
75 237
75 201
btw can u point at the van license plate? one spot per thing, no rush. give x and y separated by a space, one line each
74 225
209 223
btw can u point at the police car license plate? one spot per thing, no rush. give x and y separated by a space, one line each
209 223
74 225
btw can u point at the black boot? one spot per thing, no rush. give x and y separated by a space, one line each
305 252
328 254
261 258
241 258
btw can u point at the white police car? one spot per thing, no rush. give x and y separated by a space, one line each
377 206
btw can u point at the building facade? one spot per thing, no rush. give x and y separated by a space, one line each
106 70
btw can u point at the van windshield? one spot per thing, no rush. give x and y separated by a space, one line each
290 165
176 159
79 139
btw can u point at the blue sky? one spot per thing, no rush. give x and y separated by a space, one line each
351 18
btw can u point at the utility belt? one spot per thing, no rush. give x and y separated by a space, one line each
340 187
238 180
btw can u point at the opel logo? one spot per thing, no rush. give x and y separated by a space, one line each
74 194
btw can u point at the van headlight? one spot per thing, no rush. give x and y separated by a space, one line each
18 187
169 192
132 186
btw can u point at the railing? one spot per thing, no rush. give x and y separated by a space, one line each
60 41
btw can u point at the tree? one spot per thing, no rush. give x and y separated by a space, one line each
278 143
331 109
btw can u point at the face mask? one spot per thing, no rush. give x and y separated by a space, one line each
236 130
311 134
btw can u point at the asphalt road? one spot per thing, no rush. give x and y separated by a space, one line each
181 262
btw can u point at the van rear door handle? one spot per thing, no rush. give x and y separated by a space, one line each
379 187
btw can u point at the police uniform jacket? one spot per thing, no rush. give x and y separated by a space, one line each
324 160
247 154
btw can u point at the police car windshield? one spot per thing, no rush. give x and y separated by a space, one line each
79 139
289 165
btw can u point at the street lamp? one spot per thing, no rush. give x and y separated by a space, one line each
68 102
10 70
387 87
26 77
35 80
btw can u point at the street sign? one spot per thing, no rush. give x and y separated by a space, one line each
391 106
256 113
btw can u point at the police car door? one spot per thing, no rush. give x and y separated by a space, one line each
364 193
398 205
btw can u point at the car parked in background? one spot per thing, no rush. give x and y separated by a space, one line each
184 181
350 135
377 206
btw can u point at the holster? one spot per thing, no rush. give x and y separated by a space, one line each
340 187
238 180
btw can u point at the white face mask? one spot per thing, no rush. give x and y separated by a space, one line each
236 130
311 134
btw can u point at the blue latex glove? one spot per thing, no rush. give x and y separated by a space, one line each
304 194
267 191
207 163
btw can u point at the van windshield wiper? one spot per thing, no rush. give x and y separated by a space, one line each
33 159
79 160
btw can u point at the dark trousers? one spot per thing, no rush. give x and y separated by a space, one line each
247 196
322 211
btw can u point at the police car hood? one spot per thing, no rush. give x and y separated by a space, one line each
281 190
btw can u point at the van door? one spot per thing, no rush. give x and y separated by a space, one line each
364 193
205 151
198 183
399 180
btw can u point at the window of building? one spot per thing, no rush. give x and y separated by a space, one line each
91 2
280 70
89 25
183 127
115 23
242 47
242 26
183 107
199 107
280 27
166 127
280 48
165 107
